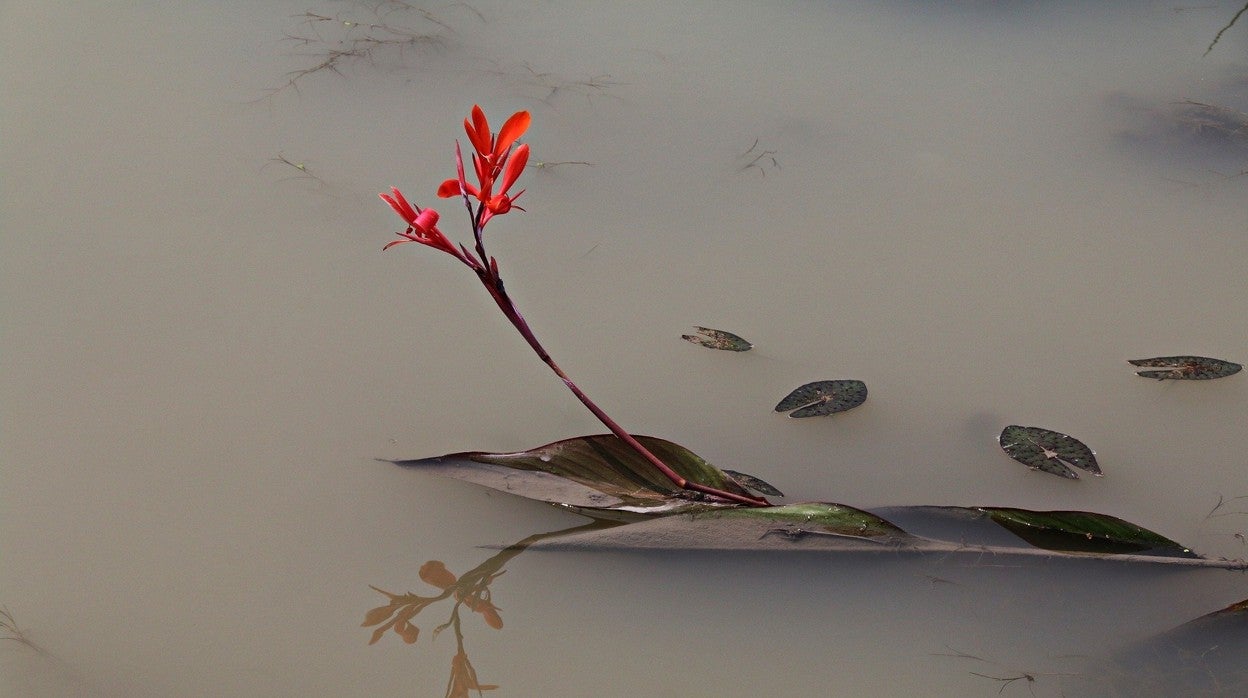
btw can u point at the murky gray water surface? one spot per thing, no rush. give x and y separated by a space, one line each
982 210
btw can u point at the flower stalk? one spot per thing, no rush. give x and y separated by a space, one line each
497 167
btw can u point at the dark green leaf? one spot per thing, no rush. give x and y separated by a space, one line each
1185 368
717 339
753 483
816 518
1084 532
1050 451
595 472
824 397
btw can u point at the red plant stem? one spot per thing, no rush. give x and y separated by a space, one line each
494 285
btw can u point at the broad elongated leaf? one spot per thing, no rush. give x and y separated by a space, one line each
1050 451
823 398
601 478
1084 532
835 528
717 339
596 472
1185 368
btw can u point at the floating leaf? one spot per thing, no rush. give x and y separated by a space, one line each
1084 532
1186 368
592 472
836 528
753 483
824 397
1050 451
717 339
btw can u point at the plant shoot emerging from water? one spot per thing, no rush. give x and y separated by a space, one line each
497 165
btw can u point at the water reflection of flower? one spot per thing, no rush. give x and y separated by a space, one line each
471 590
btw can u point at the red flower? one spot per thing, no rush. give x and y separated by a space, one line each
492 157
421 224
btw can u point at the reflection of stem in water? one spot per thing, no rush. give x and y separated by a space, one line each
470 589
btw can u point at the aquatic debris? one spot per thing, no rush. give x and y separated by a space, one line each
1197 368
823 398
1050 451
717 339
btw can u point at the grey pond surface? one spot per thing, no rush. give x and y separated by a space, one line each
982 210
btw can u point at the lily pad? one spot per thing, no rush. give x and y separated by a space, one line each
1186 368
823 398
594 472
717 339
1084 532
1050 451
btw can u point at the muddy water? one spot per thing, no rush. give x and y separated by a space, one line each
979 210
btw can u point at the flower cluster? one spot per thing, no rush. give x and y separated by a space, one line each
497 168
491 158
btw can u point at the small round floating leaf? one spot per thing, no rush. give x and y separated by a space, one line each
1185 368
717 339
824 397
1049 451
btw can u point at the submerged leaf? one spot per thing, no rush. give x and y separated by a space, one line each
835 528
1050 451
824 397
1084 532
591 472
753 483
1185 368
817 518
717 339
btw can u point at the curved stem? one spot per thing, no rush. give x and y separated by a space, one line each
493 284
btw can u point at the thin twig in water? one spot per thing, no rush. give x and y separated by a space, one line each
345 40
302 167
1007 680
537 165
1030 676
762 156
1221 502
1222 31
10 631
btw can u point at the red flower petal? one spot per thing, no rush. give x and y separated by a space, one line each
479 131
426 221
400 205
449 188
515 166
513 129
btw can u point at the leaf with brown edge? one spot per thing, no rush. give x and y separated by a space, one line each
823 398
1185 368
598 472
1049 451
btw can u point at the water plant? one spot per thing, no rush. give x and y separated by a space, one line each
497 163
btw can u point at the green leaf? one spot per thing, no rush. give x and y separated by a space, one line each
1185 368
823 398
1084 532
717 339
1050 451
593 472
816 518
